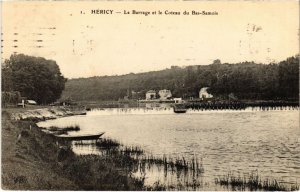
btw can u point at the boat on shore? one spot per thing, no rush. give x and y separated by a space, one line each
80 137
179 108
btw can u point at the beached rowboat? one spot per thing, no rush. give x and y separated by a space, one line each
80 137
180 110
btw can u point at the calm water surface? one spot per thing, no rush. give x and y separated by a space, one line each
237 141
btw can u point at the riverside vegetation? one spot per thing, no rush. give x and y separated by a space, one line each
140 161
33 161
253 182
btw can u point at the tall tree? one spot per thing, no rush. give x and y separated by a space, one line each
34 77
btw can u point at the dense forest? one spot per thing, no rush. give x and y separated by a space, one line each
246 80
35 78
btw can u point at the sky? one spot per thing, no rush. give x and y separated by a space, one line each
85 44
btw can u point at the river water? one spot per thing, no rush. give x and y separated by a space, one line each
266 142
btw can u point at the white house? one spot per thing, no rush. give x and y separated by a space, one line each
164 94
203 94
31 102
151 94
178 100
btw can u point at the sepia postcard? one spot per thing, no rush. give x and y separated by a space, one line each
150 95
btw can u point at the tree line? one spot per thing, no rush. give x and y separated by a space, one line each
246 80
35 78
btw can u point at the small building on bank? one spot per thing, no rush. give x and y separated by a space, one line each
31 102
164 94
203 94
151 94
178 100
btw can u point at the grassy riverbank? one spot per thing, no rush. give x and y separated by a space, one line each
31 160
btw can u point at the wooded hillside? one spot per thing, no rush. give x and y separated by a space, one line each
246 80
